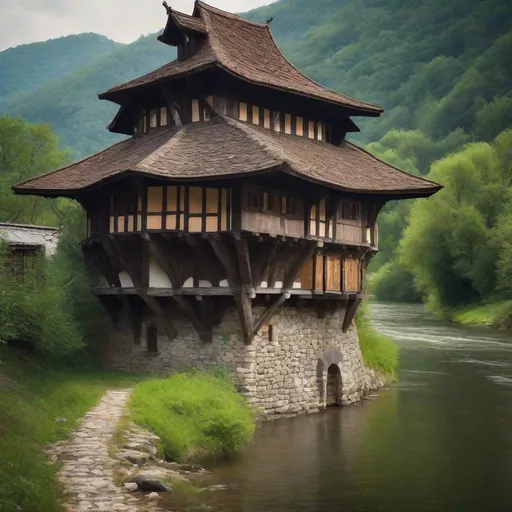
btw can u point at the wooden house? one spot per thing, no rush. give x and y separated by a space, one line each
236 190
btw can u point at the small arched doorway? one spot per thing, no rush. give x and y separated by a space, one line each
333 388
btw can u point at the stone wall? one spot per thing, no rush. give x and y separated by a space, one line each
283 371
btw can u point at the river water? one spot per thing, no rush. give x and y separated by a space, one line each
439 440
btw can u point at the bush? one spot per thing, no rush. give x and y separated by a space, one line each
379 351
51 308
196 415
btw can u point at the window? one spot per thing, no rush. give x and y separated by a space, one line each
349 211
124 202
273 204
255 200
271 333
163 116
152 339
294 208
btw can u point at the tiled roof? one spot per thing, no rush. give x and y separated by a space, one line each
188 22
225 147
247 50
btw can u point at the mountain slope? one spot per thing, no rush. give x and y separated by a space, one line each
432 65
444 68
70 103
28 67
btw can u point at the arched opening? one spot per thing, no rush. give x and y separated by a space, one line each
333 391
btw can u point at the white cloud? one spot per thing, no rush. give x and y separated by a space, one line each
28 21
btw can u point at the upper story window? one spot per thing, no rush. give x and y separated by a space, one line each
349 211
294 208
124 202
151 119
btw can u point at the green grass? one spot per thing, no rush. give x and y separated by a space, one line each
487 314
196 415
33 393
379 352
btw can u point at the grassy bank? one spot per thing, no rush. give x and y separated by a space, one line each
33 394
496 314
196 415
379 352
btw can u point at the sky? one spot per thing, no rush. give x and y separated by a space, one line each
28 21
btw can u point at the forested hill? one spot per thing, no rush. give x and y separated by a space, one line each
70 103
30 66
433 65
444 68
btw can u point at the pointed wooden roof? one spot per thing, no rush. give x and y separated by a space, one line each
226 148
243 48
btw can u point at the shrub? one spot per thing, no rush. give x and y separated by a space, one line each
196 415
379 351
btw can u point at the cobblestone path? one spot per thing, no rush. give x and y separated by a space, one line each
87 469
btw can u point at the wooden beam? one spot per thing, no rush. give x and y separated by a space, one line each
269 313
151 302
222 252
242 300
303 257
350 312
203 331
289 279
244 307
163 261
263 263
244 261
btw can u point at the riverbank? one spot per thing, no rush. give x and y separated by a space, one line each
41 403
495 314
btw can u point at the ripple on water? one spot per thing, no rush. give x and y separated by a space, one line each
500 379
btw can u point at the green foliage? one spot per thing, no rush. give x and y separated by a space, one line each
456 237
34 393
51 308
70 103
196 415
393 282
379 352
29 66
27 150
487 314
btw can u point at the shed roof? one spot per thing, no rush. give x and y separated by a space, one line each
225 147
28 235
245 49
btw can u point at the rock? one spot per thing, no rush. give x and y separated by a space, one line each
60 420
153 479
152 496
131 486
133 456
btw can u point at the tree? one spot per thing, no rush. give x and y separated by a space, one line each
27 150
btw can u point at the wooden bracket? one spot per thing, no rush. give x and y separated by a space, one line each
263 263
151 302
242 299
350 312
289 279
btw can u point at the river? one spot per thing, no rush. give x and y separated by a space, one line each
438 440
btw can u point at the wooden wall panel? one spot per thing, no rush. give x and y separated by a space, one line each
333 278
351 275
212 200
306 276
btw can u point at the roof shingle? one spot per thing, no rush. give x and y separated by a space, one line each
246 49
225 147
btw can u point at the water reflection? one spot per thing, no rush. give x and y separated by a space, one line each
439 440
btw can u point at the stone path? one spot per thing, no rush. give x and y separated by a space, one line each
87 470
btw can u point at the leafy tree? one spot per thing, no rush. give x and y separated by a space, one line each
27 150
455 243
